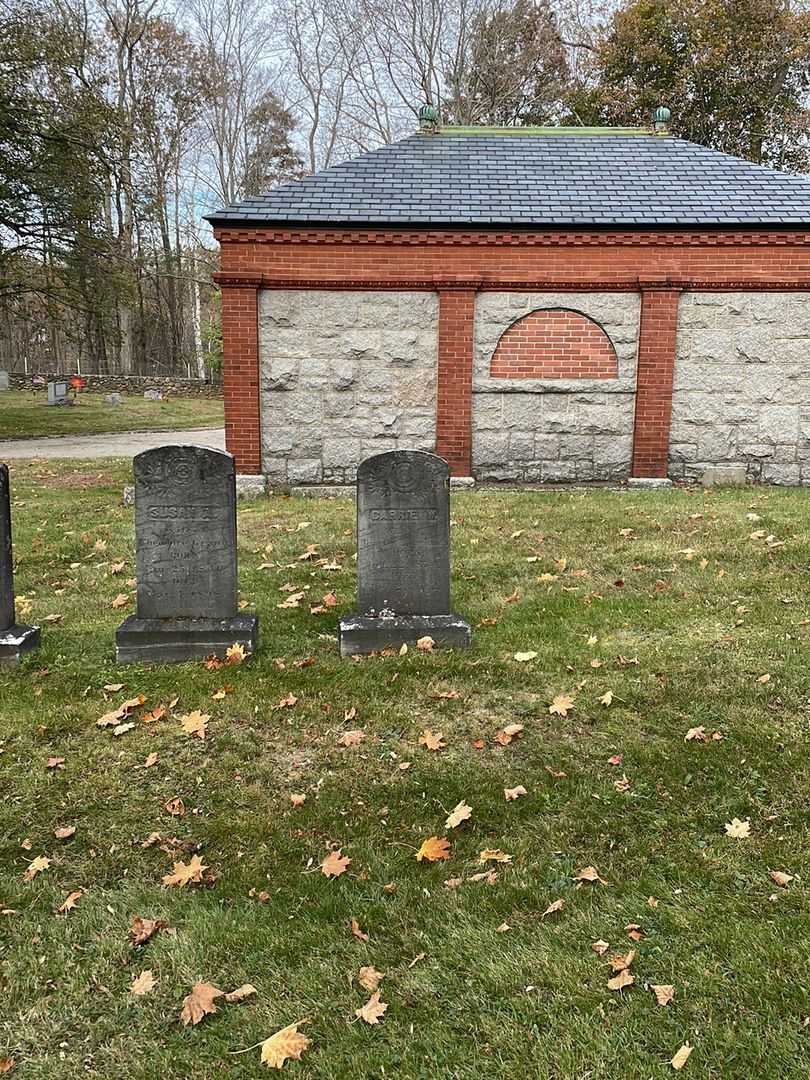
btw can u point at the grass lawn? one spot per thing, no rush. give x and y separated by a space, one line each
24 415
676 602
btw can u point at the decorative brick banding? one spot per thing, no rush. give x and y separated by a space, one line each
554 344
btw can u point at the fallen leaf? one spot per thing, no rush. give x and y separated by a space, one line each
120 601
607 698
183 874
151 759
369 978
663 993
122 729
622 962
352 738
433 849
241 993
176 807
620 981
153 715
114 687
298 800
739 830
142 930
36 866
494 855
425 644
524 657
506 734
199 1003
681 1057
555 905
431 741
70 901
561 705
6 1064
781 878
615 760
55 763
462 812
335 864
558 774
502 929
372 1010
589 873
361 935
286 1043
142 984
235 654
695 734
195 723
600 947
64 832
512 793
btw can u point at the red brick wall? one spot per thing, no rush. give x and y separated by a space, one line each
456 263
554 344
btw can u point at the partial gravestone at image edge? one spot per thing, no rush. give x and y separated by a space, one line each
16 639
186 559
403 556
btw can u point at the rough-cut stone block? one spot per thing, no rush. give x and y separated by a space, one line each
363 634
788 475
281 374
341 453
250 487
172 641
724 476
16 641
306 471
649 482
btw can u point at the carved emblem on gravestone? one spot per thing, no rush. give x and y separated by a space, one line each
403 555
185 538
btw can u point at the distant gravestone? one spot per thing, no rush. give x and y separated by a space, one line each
113 399
185 540
58 393
5 381
403 555
15 639
153 395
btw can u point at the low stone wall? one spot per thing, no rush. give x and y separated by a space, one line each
127 384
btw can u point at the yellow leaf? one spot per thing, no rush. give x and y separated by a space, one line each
462 812
235 654
620 981
555 905
369 978
241 993
607 698
120 601
663 993
372 1010
195 723
199 1003
524 657
431 741
682 1056
561 705
142 984
183 874
335 864
739 830
151 759
433 849
512 793
286 1043
494 855
502 929
36 866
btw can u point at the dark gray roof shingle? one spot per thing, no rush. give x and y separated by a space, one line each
523 180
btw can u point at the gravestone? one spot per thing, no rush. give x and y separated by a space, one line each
113 399
403 556
185 541
58 394
5 381
153 395
15 639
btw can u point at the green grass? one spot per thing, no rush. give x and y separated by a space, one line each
530 1002
24 415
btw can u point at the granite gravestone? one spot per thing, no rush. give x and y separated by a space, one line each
15 639
5 381
58 394
185 539
403 555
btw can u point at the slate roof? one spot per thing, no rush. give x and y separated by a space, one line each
522 178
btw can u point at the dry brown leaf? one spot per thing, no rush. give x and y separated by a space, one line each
561 705
555 905
36 866
372 1010
183 874
55 763
782 879
507 733
286 1043
622 962
195 723
154 715
589 873
352 738
606 698
235 653
151 759
425 644
462 812
739 830
142 930
524 657
120 601
361 935
512 793
241 993
298 800
64 832
335 864
493 855
620 981
7 1064
502 929
143 983
663 993
199 1003
433 849
681 1057
70 901
431 741
369 978
176 807
453 882
600 947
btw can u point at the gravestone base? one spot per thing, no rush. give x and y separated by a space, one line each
16 642
174 641
363 634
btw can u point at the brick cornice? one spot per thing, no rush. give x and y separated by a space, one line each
489 238
244 280
436 284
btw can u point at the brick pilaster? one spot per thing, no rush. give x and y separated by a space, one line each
656 367
454 379
240 337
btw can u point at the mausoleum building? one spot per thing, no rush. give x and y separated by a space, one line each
542 305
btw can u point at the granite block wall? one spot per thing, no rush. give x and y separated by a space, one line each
344 374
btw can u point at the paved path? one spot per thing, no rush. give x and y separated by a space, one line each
120 444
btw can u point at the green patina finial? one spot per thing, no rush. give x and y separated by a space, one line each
661 117
428 118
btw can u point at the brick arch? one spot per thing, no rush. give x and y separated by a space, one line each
554 343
